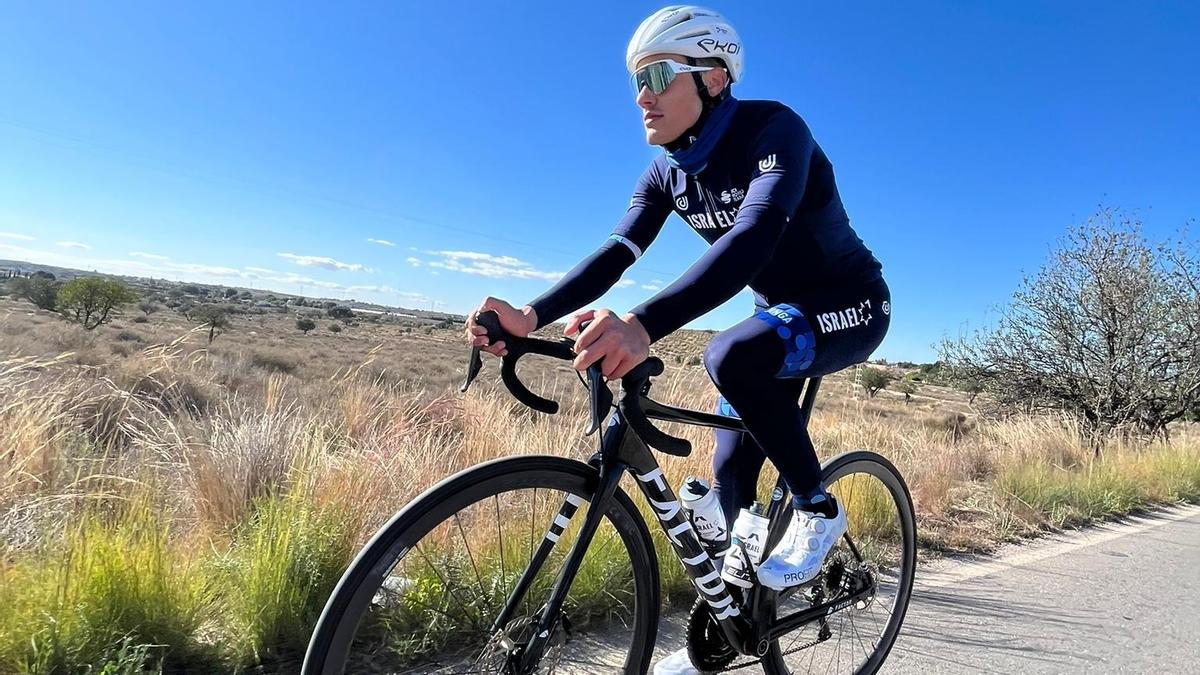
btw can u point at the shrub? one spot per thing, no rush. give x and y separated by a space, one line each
305 324
874 379
91 300
273 362
335 328
39 290
140 319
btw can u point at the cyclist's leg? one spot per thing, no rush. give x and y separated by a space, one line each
757 364
737 462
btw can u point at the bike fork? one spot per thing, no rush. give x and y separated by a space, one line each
610 476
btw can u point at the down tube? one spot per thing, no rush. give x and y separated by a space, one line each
696 561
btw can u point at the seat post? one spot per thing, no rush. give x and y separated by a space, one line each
810 398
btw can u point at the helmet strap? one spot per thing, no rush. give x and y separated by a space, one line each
707 103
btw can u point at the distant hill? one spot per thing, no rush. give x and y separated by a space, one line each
152 285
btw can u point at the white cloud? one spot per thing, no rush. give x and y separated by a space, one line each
381 242
15 235
625 283
415 262
651 287
148 256
486 265
261 277
74 244
324 263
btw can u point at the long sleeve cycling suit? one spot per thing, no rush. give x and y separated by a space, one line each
768 204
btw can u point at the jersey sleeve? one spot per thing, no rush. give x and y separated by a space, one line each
782 152
592 277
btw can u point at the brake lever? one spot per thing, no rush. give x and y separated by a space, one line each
474 364
601 397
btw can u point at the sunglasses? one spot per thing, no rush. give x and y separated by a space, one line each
659 75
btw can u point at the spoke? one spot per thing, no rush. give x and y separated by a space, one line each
446 585
860 640
483 594
532 509
500 545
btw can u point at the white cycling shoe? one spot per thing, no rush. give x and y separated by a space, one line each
798 557
677 664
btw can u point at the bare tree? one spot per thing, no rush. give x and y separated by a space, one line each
1108 329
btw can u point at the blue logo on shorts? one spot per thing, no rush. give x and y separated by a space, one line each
791 327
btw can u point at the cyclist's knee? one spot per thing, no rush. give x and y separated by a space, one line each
729 361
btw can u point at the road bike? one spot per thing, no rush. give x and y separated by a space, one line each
544 564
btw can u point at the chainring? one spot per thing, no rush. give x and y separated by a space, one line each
706 644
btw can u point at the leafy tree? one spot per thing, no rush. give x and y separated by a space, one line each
1108 330
231 292
212 317
39 290
91 300
907 387
340 312
43 274
305 324
874 379
147 307
335 328
191 289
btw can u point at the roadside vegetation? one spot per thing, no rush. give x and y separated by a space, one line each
179 494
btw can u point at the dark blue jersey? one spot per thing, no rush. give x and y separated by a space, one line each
766 202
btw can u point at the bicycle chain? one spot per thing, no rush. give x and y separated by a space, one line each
806 645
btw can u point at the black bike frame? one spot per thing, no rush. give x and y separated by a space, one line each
623 450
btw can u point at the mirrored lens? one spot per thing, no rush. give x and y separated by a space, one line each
656 77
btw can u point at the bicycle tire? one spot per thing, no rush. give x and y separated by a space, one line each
862 461
335 630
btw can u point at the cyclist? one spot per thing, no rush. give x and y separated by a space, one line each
748 177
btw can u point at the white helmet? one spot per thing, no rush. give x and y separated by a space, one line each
688 30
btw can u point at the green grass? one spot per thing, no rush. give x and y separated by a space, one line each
116 595
1112 485
276 577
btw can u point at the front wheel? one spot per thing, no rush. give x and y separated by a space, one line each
429 592
880 549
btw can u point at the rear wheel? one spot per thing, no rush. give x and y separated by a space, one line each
425 594
880 549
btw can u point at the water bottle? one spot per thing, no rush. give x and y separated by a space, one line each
704 510
750 533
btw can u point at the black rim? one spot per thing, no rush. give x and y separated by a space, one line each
858 638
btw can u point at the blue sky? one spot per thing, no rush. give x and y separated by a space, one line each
492 145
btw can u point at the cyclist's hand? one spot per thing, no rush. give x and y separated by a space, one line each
621 341
519 322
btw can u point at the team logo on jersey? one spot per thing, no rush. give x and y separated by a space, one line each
767 163
851 317
886 307
734 195
681 202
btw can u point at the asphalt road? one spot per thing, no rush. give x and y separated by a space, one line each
1114 598
1117 598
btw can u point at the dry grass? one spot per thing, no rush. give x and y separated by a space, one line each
248 470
